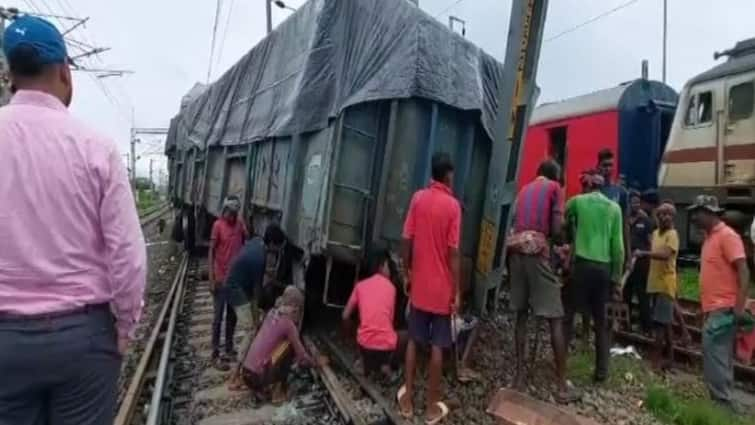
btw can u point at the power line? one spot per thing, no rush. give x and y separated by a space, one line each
225 31
591 20
451 6
218 5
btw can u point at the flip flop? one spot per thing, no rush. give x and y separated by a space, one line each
444 411
570 396
406 414
468 375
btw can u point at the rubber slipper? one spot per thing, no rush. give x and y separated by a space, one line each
408 413
444 411
468 375
570 396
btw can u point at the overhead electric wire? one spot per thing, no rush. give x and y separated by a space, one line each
225 31
218 5
451 6
591 20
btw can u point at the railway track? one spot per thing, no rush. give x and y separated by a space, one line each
150 216
174 383
693 317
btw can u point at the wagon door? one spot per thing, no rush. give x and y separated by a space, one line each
739 132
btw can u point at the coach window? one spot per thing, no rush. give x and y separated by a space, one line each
699 110
740 101
691 113
704 108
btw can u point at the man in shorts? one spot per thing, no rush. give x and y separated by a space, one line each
534 285
662 285
430 251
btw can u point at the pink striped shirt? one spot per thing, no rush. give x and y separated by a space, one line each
69 232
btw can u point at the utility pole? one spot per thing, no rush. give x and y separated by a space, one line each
665 37
151 182
133 159
269 12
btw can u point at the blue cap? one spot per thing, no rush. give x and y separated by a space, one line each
38 33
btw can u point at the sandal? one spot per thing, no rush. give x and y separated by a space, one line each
405 412
571 395
468 375
444 411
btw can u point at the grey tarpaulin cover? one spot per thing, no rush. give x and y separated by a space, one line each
329 55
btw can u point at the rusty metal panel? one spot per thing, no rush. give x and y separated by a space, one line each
510 407
214 183
412 126
279 172
473 196
236 177
188 181
352 184
313 191
262 167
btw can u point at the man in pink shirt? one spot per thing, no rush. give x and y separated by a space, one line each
72 254
431 254
375 300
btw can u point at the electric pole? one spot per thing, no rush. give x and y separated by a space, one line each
269 12
133 159
151 182
665 37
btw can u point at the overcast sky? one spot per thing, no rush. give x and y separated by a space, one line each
167 45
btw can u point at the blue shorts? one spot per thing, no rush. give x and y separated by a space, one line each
430 328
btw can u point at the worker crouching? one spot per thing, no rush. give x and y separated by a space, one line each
275 348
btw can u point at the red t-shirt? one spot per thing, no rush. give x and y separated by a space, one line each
376 299
227 239
433 225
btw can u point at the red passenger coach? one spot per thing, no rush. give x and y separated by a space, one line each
633 120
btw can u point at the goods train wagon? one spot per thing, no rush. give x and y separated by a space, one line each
632 119
330 135
711 148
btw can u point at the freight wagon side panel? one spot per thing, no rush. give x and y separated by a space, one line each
352 186
214 183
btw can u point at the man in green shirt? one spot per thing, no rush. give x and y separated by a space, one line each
594 227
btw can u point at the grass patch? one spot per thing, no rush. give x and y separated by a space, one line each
147 199
672 409
680 403
624 370
689 283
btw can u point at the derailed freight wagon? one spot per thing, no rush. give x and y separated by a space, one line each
328 126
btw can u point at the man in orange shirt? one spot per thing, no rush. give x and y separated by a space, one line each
431 254
724 281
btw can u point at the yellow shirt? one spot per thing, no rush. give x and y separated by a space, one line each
662 275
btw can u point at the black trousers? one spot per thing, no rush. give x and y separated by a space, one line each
222 307
59 371
588 293
637 286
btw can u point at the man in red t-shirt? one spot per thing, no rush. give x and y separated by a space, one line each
375 300
228 236
431 254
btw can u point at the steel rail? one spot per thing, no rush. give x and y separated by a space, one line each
130 402
162 368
